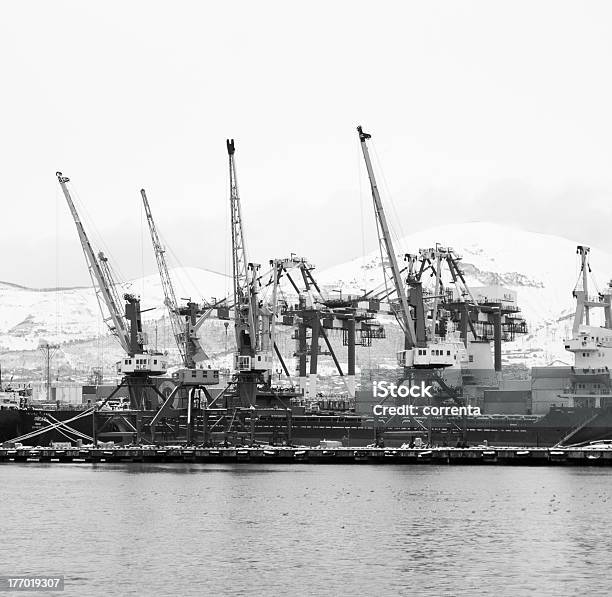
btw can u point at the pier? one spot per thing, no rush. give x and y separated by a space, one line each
296 455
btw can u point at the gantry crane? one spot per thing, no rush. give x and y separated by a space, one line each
478 321
584 302
432 260
139 364
315 316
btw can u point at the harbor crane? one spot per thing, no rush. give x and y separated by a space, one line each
418 352
584 302
176 323
252 318
315 316
138 364
185 320
391 268
257 314
259 308
249 399
492 315
424 316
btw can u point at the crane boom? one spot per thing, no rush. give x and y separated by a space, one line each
101 277
252 317
169 294
404 316
244 278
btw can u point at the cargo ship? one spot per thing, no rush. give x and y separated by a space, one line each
562 424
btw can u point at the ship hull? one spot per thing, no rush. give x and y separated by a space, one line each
14 423
570 425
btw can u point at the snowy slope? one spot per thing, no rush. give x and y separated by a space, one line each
28 315
542 269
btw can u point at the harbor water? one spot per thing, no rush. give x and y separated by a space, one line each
246 529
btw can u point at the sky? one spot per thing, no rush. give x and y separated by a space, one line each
478 110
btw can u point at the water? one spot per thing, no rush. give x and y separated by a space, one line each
308 530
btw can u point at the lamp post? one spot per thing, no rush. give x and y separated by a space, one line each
48 351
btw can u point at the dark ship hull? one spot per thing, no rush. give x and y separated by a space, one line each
13 423
18 422
571 425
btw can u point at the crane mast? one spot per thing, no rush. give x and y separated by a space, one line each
391 267
245 276
177 324
101 276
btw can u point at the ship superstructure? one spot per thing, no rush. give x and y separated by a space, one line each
591 345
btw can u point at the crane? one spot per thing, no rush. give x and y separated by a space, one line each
252 321
584 302
139 363
390 266
419 350
167 287
101 277
185 321
434 259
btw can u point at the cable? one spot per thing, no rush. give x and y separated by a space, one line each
92 232
361 208
227 244
58 292
391 202
141 249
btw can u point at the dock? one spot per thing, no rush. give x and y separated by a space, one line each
297 455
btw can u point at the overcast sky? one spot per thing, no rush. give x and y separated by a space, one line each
484 110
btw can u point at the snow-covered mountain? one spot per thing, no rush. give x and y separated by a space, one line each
541 268
29 315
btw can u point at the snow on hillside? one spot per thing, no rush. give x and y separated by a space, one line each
29 315
189 283
541 268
